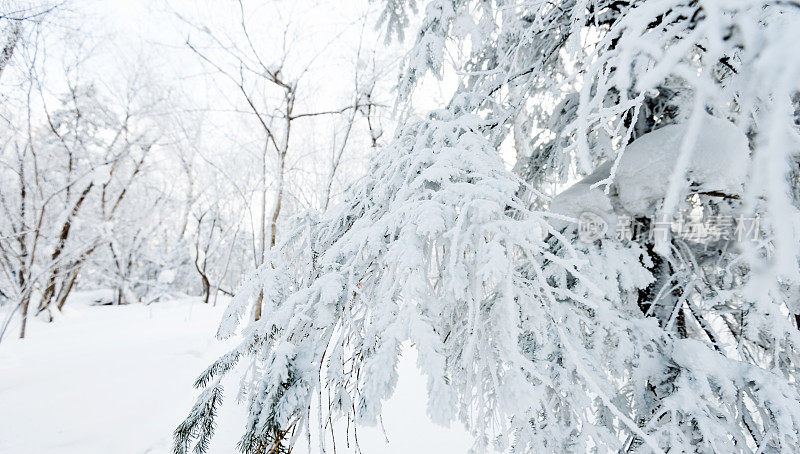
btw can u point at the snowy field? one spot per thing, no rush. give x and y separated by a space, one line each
118 379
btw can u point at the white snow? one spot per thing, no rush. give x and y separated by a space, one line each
583 198
118 379
719 161
646 166
167 276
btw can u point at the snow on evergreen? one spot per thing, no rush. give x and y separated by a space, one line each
718 163
535 340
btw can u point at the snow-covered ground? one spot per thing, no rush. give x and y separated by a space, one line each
106 379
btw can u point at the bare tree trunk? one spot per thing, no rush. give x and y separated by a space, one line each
375 132
278 202
66 288
26 301
72 278
202 270
262 250
23 272
206 283
276 211
49 292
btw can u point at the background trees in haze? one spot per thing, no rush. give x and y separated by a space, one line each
156 175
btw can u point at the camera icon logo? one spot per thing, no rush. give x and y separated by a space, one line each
591 227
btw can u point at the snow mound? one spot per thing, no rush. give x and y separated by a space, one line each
718 163
645 169
581 198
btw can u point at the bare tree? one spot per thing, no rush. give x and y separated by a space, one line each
250 70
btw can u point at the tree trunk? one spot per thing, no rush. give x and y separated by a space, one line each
279 195
26 301
49 292
204 278
66 288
